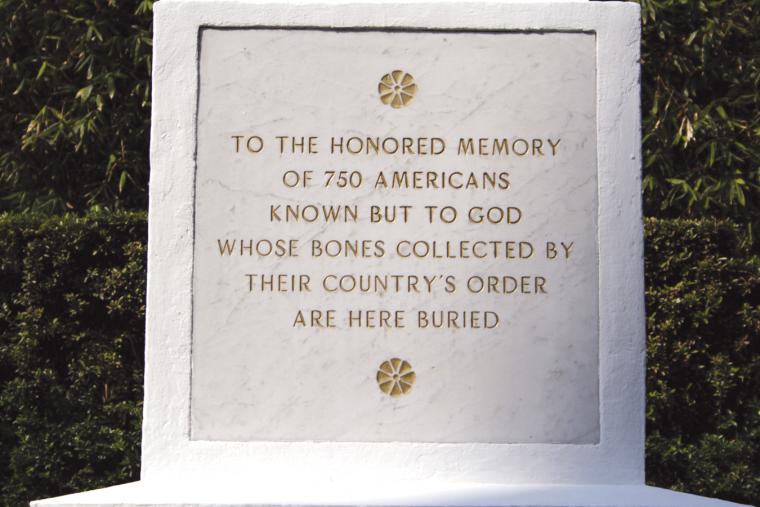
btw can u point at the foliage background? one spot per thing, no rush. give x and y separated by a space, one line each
75 104
701 121
75 110
72 312
703 373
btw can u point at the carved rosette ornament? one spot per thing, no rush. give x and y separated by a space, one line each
397 89
395 377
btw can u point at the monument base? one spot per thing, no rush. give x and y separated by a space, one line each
145 493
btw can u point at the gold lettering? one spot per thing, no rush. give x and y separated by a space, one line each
311 213
371 319
554 146
457 319
465 147
317 318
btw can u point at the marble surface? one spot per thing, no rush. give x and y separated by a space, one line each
380 493
533 378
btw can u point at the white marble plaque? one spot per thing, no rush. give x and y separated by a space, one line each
379 203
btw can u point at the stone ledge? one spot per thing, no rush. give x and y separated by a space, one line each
147 494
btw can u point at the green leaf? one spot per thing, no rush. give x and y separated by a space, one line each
42 70
19 87
711 160
84 93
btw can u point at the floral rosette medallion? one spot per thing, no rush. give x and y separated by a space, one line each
397 89
395 377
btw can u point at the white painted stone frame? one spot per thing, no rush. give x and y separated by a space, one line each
168 451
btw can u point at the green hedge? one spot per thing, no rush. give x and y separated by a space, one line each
703 373
71 356
72 310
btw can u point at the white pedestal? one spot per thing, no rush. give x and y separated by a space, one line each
165 494
281 469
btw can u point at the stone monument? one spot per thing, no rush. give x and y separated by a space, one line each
395 258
